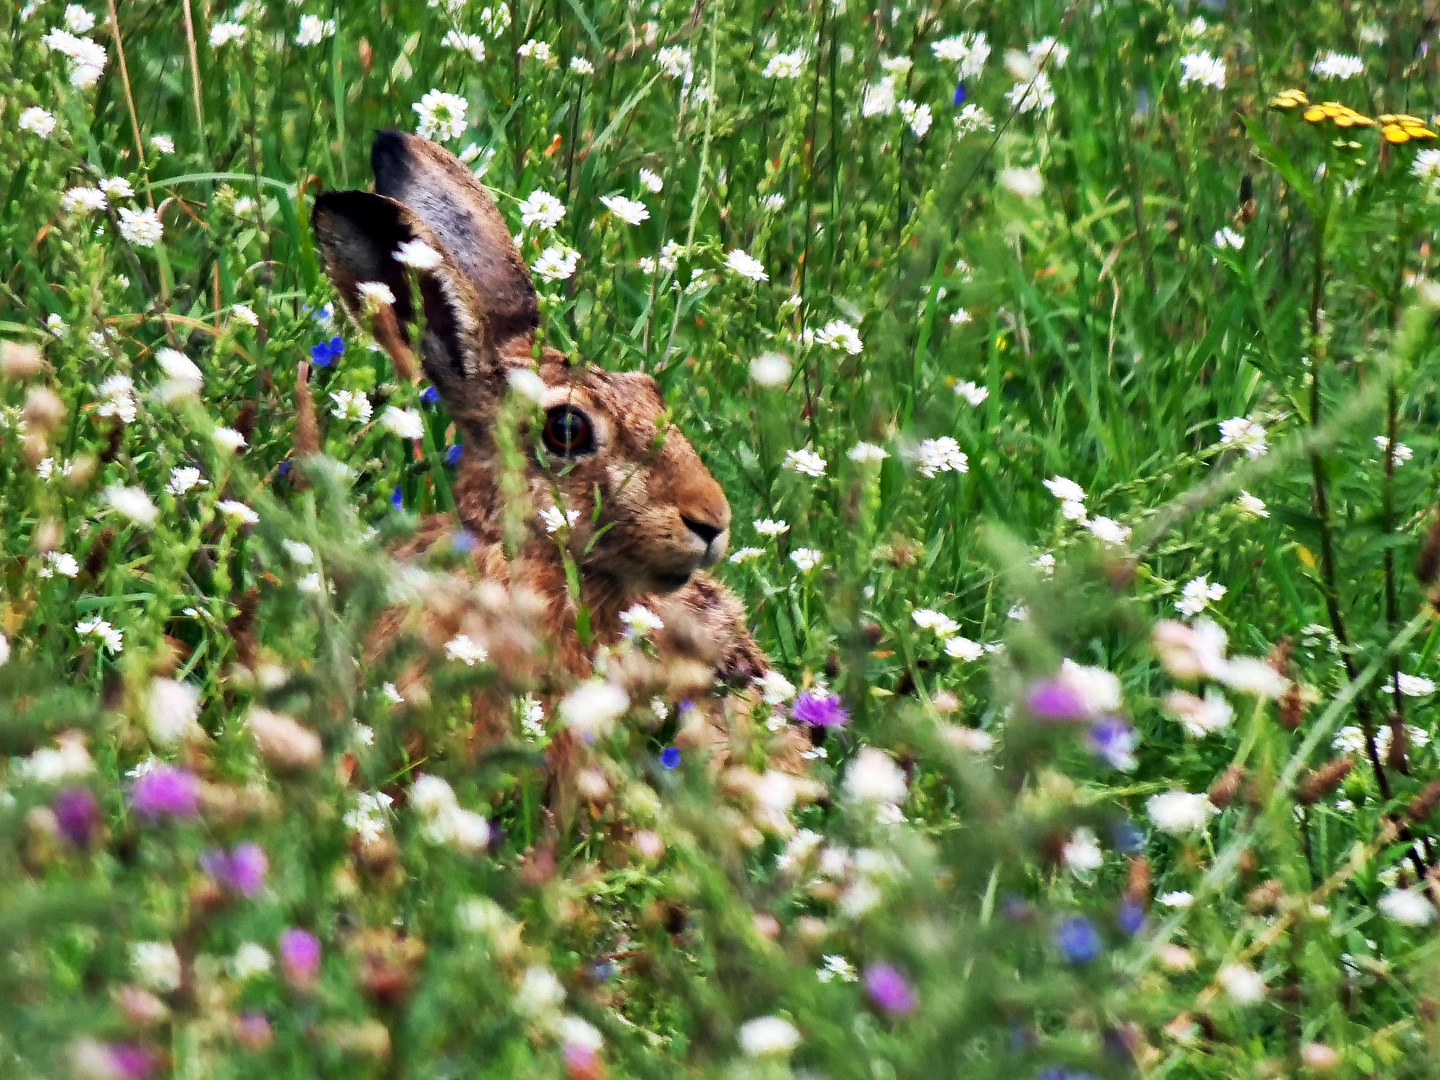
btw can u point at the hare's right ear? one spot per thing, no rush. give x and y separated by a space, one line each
359 235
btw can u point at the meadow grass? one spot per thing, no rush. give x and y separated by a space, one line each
1088 376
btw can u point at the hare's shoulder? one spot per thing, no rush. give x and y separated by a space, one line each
706 620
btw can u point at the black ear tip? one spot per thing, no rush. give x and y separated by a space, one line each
387 150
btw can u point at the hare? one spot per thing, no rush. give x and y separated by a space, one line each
662 518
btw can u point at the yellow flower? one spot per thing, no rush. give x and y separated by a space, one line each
1342 115
1289 99
1401 128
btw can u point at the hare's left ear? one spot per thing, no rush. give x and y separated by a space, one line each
431 182
359 235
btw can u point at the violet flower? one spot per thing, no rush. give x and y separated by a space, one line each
819 710
300 957
889 989
77 812
165 791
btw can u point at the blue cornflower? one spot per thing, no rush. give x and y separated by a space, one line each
1131 917
1128 837
284 468
396 499
1114 740
670 757
327 352
960 94
1078 940
430 395
452 454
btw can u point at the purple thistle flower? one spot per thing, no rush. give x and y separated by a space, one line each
133 1061
670 757
1113 739
820 711
1056 701
1078 940
300 956
889 989
165 791
77 812
242 871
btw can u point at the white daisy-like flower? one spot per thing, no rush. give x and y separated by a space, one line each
1415 685
1333 65
418 255
250 960
223 33
972 118
1409 907
1250 506
773 203
78 20
1032 94
771 527
879 99
1200 716
1179 812
745 265
962 648
1426 168
243 313
1081 853
1045 563
133 503
1108 531
163 144
183 478
178 366
300 554
59 562
351 405
1399 455
554 519
651 181
770 369
972 393
864 453
441 116
1197 594
834 966
785 65
1242 983
940 455
839 334
581 66
541 208
919 117
472 44
745 554
534 50
156 965
407 423
969 51
112 639
141 227
368 819
1228 238
640 621
467 650
556 263
592 708
805 462
37 121
238 512
1047 52
1176 899
807 559
630 211
1065 489
1025 183
314 30
775 689
374 295
768 1036
1242 433
228 439
936 621
1203 69
83 200
674 61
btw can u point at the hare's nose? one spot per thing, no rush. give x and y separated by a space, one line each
703 529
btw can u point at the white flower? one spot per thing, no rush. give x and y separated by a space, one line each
314 30
1026 183
178 366
351 405
65 564
237 511
1179 812
141 227
962 648
937 622
805 462
864 453
839 334
82 200
972 393
1108 531
87 57
1195 597
771 527
556 263
4 649
1065 489
1333 65
468 651
581 66
473 44
1243 984
1410 907
49 765
183 478
534 50
746 266
163 144
367 820
789 65
1250 506
773 203
834 966
1177 899
630 211
554 520
541 208
593 707
223 33
300 554
495 20
1200 716
1097 689
807 559
1202 68
1399 455
940 455
540 992
768 1035
745 554
1228 238
374 295
1045 563
37 121
640 621
873 777
969 51
879 99
442 116
1034 92
1250 675
228 439
651 181
1426 167
417 254
573 1031
1082 853
896 65
674 61
775 689
171 709
250 960
972 118
918 117
1415 685
246 314
770 369
156 965
1048 52
407 423
133 503
78 20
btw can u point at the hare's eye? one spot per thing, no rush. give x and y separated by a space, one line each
568 431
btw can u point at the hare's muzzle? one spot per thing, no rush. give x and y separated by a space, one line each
713 537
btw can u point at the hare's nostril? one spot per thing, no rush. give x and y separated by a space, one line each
705 532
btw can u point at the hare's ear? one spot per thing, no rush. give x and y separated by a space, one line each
445 195
359 235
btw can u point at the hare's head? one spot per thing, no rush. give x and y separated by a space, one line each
603 439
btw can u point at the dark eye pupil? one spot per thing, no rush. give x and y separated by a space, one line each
567 431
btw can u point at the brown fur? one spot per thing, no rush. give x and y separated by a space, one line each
651 517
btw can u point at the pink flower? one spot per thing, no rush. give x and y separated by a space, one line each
165 791
300 957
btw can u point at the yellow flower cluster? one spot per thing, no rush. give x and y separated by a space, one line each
1394 127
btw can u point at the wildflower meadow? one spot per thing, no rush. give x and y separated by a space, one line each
719 539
